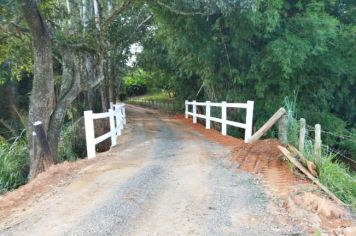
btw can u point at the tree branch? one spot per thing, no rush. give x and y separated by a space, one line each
179 12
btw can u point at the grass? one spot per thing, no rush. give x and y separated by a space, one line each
14 164
160 96
162 101
333 174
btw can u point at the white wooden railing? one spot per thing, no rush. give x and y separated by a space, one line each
117 118
223 120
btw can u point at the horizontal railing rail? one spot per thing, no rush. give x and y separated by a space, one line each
117 119
223 119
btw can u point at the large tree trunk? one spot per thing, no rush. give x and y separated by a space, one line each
70 89
42 94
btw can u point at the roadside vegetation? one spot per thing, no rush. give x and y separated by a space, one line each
334 174
14 164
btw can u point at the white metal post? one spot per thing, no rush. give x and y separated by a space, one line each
123 114
249 120
207 114
112 127
186 109
111 105
223 118
118 120
89 133
194 112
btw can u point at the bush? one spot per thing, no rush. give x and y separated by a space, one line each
14 165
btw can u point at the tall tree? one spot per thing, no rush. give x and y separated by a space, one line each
42 99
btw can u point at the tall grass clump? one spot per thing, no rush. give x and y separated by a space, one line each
333 174
14 165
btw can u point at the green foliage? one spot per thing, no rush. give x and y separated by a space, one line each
72 144
136 83
262 52
13 163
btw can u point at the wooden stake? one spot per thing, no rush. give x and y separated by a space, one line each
283 130
302 132
267 125
317 144
308 174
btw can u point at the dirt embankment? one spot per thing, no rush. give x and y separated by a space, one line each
290 188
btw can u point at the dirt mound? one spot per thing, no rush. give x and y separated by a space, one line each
262 157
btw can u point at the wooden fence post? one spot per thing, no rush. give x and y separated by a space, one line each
112 127
207 114
267 125
223 118
302 132
249 120
43 141
89 133
34 145
283 129
194 112
317 145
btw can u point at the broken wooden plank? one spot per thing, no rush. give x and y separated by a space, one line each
267 125
308 174
309 164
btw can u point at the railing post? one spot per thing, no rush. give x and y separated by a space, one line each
186 109
124 115
302 132
89 133
111 105
194 112
207 114
249 120
223 118
112 127
118 119
317 145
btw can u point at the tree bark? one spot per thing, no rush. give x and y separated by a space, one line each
91 80
70 89
42 95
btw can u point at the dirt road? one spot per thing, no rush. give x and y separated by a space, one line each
162 179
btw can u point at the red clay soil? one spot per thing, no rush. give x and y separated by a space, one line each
298 195
42 184
261 157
